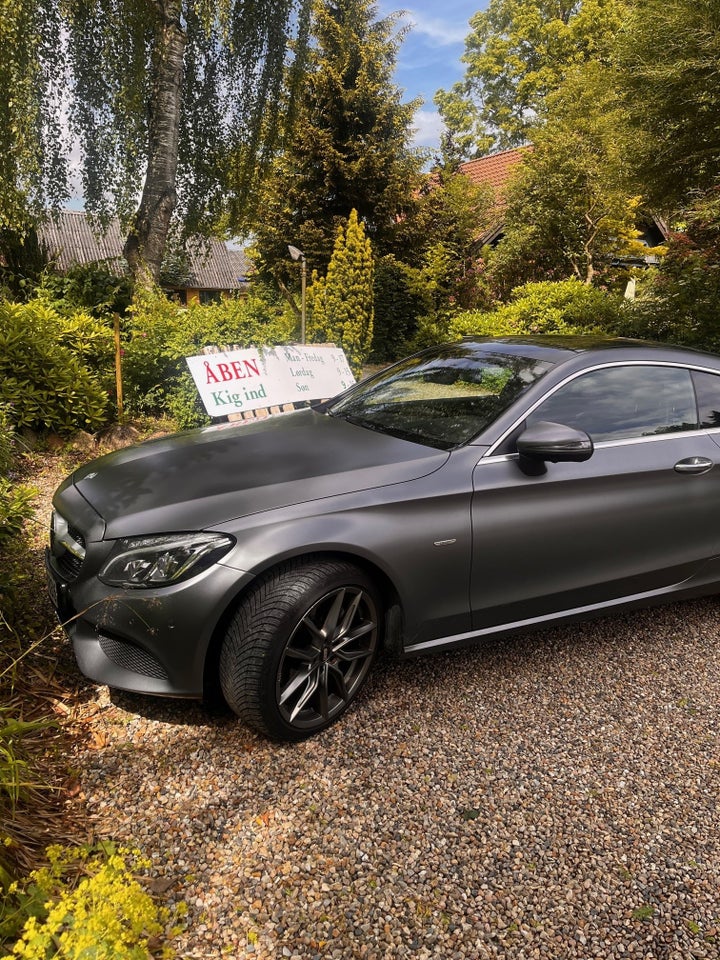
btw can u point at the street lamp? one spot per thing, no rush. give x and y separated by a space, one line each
297 254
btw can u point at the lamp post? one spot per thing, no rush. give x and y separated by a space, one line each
297 254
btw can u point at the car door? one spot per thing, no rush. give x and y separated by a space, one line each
638 517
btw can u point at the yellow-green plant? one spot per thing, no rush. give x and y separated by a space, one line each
87 903
343 310
51 367
564 307
160 334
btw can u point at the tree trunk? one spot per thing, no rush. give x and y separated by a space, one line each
145 245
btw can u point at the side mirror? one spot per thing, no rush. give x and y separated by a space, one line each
555 442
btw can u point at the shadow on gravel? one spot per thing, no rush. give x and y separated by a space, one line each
636 636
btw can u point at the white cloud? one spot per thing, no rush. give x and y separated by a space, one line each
428 128
442 33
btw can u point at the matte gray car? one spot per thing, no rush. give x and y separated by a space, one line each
474 489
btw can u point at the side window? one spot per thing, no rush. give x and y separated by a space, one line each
707 388
621 402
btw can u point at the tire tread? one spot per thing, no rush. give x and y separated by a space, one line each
251 636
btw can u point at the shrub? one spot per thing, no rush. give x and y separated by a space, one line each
7 442
160 334
678 302
49 367
562 307
16 506
343 310
86 903
90 287
401 298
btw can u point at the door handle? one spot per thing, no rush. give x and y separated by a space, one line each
694 465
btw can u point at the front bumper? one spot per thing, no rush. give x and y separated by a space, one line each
145 641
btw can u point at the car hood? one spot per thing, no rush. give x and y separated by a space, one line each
202 478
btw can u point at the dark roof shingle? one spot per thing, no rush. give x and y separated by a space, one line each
71 238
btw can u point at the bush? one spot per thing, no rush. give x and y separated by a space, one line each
86 903
89 287
16 506
49 367
678 302
401 299
563 307
160 334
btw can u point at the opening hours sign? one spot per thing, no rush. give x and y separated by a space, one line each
239 380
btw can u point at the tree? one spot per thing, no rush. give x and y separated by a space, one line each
343 300
349 147
452 213
669 63
678 301
569 212
157 93
32 166
518 51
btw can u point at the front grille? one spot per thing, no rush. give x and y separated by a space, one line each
68 565
131 657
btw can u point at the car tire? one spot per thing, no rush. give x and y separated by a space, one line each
300 647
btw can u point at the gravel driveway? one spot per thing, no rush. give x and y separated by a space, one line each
552 796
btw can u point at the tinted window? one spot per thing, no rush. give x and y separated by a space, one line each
707 388
441 398
633 401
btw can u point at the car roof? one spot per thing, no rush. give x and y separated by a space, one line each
558 349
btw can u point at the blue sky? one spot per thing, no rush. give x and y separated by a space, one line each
429 57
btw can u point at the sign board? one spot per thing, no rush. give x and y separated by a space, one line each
239 380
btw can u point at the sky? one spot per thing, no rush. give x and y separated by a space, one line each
429 58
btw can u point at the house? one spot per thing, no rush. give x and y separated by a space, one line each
496 171
206 271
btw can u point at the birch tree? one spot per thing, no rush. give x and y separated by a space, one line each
158 94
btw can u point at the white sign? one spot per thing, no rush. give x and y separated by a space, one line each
240 380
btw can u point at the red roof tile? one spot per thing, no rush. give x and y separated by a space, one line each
494 170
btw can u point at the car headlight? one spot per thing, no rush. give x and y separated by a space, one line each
162 560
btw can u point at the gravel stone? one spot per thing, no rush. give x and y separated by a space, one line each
544 797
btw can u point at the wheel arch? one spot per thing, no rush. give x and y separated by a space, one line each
392 633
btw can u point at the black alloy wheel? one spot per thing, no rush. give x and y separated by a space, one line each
300 647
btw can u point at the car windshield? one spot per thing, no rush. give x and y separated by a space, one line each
441 398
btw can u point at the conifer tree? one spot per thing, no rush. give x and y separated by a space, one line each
349 147
343 300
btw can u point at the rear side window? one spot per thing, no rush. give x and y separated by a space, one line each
621 402
707 388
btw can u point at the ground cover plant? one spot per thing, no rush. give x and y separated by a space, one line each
59 896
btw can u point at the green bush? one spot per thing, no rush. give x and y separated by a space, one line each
160 334
563 307
51 367
401 298
678 302
16 506
7 442
89 287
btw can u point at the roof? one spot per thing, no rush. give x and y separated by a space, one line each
494 170
71 238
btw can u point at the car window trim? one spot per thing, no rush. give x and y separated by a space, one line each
603 366
622 442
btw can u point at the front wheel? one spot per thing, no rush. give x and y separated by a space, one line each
300 646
